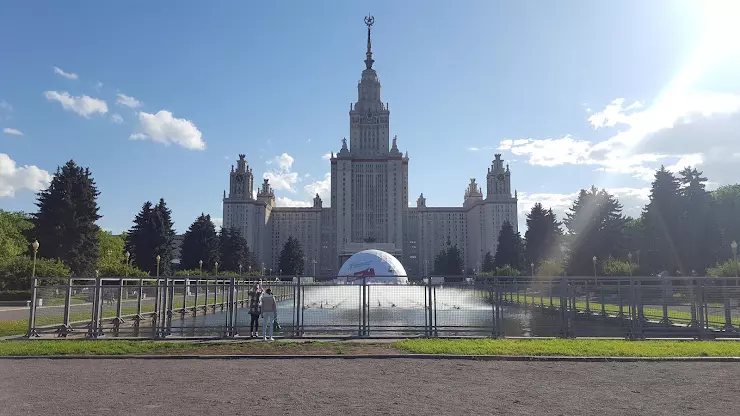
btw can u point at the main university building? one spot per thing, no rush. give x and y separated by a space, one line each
369 202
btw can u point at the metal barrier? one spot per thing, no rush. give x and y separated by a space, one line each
216 306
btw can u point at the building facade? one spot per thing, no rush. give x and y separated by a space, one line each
369 202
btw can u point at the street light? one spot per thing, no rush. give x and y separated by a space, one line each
158 260
200 267
128 257
314 268
35 246
216 264
593 259
531 266
733 246
240 270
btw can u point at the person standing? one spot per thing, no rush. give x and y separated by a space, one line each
269 309
254 309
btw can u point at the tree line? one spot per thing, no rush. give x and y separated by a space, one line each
72 244
684 230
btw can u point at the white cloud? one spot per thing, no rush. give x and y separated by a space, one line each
281 177
5 106
162 127
326 156
68 75
116 118
13 132
218 222
84 106
138 136
127 101
701 129
98 86
14 178
321 187
282 201
478 149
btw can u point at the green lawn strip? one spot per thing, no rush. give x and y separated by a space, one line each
572 348
115 347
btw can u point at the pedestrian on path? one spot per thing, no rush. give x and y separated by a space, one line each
269 309
254 309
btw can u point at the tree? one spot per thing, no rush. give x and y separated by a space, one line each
726 206
152 235
700 236
65 223
165 237
449 261
509 249
291 258
488 265
661 219
15 273
13 229
542 236
234 251
596 228
200 242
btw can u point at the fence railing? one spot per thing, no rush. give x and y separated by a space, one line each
217 306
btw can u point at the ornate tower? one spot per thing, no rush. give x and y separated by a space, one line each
498 180
241 181
369 128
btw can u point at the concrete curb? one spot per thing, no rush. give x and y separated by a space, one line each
384 356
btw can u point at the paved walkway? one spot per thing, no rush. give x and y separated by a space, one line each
363 387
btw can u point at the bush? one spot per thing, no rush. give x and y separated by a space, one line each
614 267
15 274
506 271
550 268
14 295
730 268
120 270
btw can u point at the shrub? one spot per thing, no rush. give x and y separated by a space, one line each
614 267
15 274
730 268
13 295
506 271
550 268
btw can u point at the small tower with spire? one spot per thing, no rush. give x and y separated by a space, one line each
241 181
498 179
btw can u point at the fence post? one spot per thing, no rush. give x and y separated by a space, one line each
194 309
66 328
564 315
32 313
117 321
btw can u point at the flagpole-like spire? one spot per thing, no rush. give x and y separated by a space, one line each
369 20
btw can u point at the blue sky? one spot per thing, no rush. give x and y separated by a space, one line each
573 93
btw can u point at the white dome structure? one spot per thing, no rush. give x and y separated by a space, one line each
374 267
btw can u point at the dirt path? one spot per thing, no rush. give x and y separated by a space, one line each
363 386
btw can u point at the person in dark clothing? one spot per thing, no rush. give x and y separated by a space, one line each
255 309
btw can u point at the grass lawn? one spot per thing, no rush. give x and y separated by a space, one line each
82 347
572 348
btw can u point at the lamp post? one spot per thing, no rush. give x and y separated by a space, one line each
158 260
200 267
314 268
629 262
531 267
240 270
733 246
593 259
249 269
35 246
263 269
216 266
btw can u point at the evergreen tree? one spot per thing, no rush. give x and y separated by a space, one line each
234 251
509 249
165 237
700 235
140 240
291 258
65 223
596 228
449 261
542 236
661 221
488 265
200 242
726 208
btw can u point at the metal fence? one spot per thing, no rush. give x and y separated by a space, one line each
215 306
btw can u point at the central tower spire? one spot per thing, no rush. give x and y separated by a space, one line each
369 20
